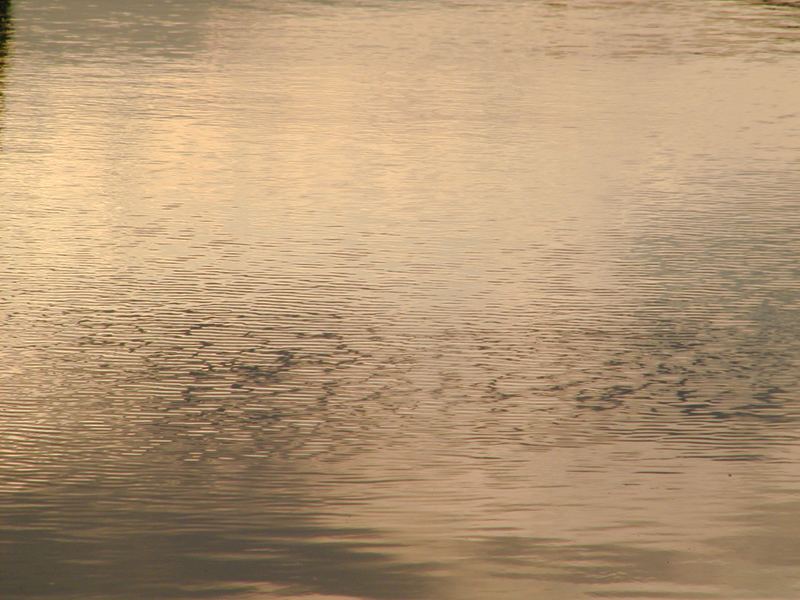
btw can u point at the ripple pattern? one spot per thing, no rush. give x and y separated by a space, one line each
399 300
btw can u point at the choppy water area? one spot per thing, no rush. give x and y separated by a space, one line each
399 299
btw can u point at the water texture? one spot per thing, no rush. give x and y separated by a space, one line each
397 299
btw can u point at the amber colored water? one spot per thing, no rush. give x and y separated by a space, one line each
397 299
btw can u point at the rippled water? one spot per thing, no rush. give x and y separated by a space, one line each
398 299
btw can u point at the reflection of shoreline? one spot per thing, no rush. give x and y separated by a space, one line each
5 34
783 3
5 30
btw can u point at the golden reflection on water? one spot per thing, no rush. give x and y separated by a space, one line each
399 300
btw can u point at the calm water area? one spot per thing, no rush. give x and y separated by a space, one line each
400 299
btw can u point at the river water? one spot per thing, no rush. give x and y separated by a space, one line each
400 299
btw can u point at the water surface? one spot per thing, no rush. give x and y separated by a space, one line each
399 299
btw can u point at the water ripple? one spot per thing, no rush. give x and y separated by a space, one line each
399 300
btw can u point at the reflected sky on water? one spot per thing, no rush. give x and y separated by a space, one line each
399 299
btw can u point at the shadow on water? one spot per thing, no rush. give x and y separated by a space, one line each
171 566
177 544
